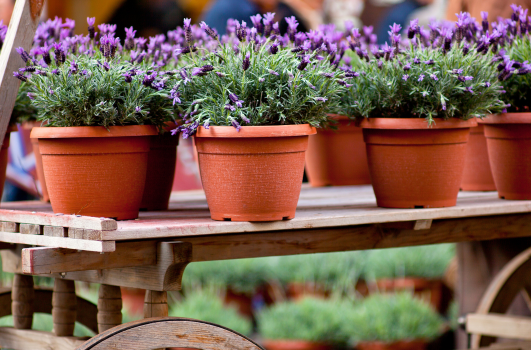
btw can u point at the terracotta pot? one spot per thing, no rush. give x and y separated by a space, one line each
398 345
300 290
295 345
337 157
477 175
255 174
94 171
162 159
509 144
428 290
413 165
133 300
4 158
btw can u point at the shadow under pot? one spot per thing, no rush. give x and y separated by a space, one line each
254 174
509 145
337 157
94 171
477 175
413 164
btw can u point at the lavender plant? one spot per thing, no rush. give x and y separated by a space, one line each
446 73
254 76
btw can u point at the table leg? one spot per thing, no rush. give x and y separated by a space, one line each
64 307
109 307
22 301
155 304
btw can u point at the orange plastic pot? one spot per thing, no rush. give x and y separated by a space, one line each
254 174
398 345
413 165
160 172
94 171
509 145
296 345
477 175
337 157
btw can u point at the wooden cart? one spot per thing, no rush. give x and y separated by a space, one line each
153 251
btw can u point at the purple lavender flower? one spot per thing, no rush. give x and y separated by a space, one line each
487 84
246 63
55 71
457 71
244 118
304 62
261 80
59 53
268 23
241 31
206 124
23 54
128 77
188 31
235 124
405 77
130 38
387 50
343 83
407 66
211 32
327 75
469 89
516 12
149 79
352 74
106 66
20 76
233 97
485 21
175 95
51 92
197 71
91 21
380 64
416 60
292 26
138 109
395 29
273 72
273 49
421 77
321 99
221 75
207 68
229 107
140 43
429 62
413 28
73 67
257 23
466 49
434 77
275 29
31 95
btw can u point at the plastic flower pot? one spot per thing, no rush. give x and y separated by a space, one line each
296 345
477 175
254 174
509 145
398 345
38 161
414 165
162 159
94 171
337 157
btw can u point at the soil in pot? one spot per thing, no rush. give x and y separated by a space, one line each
477 175
398 345
413 165
94 171
337 157
509 145
162 159
295 345
254 174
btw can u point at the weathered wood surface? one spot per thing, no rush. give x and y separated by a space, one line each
11 338
170 332
46 260
497 325
37 213
64 308
58 242
22 26
155 304
22 304
109 307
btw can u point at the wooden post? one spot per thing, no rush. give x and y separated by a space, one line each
64 307
109 307
22 301
155 304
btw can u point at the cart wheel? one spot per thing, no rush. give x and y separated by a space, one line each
167 332
514 278
86 314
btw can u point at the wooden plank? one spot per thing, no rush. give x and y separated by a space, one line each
55 231
10 226
11 338
22 26
31 229
423 224
58 242
497 325
50 219
37 261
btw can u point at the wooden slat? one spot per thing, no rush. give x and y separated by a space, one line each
37 261
497 325
22 26
31 229
58 242
50 219
55 231
11 338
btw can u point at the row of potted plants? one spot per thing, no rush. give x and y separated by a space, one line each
253 96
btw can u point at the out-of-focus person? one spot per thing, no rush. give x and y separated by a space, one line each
339 12
399 13
6 8
495 8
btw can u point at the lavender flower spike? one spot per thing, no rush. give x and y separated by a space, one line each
421 77
235 124
92 32
23 54
485 21
211 32
188 31
413 28
246 63
20 76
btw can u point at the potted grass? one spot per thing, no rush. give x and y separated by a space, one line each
99 111
509 134
393 322
416 102
307 324
419 270
251 104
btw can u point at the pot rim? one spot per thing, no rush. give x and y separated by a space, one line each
92 131
507 118
256 131
416 123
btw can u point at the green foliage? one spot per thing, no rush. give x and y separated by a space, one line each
425 90
293 96
392 317
208 307
518 86
97 95
309 319
429 261
24 110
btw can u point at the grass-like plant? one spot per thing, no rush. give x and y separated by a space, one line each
392 317
448 75
24 110
309 319
430 261
205 306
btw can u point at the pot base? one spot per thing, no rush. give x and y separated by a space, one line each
250 217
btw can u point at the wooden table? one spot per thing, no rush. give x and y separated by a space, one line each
152 252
